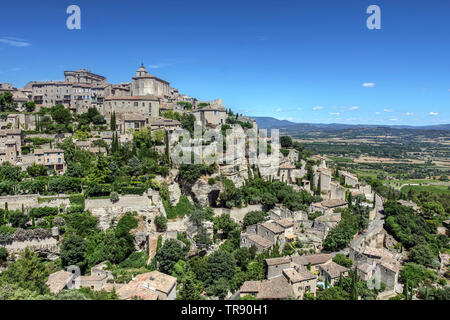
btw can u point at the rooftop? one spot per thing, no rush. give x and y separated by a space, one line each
314 259
58 280
258 240
285 223
334 203
275 228
333 269
298 274
277 261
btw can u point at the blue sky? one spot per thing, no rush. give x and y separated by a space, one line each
304 61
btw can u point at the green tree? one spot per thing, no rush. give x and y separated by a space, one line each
27 272
113 121
30 106
343 260
61 114
3 255
73 251
170 253
191 288
254 217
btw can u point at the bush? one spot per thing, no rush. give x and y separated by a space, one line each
114 196
43 212
161 223
133 190
342 260
3 254
254 217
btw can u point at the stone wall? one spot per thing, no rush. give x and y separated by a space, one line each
15 202
238 214
106 211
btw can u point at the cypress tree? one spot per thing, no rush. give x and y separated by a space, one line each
113 121
350 200
405 290
354 293
319 187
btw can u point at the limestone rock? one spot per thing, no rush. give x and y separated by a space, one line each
204 193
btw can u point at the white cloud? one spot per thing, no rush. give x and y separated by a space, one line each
369 84
388 110
377 112
15 42
157 66
317 108
299 109
279 110
335 113
409 114
393 119
353 108
434 113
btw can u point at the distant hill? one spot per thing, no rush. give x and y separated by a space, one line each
288 126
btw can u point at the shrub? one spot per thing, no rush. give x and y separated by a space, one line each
43 212
161 223
114 196
3 254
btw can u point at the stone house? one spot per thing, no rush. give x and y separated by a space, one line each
210 116
152 285
285 173
301 280
285 279
60 280
94 281
145 105
324 175
248 240
132 121
331 272
52 158
328 206
377 266
165 124
273 289
349 179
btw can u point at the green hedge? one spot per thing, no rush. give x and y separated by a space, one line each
43 212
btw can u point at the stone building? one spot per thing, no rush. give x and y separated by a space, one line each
331 272
165 124
285 173
144 84
377 266
211 116
285 279
11 145
132 121
324 176
150 286
84 76
349 179
328 206
60 280
145 105
53 159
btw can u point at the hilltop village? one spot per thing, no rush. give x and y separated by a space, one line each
94 207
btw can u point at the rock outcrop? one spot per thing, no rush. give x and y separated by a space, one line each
204 193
